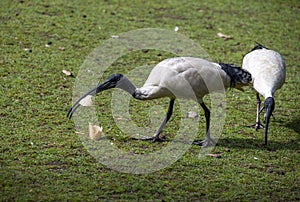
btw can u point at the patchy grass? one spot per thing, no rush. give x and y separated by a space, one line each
43 159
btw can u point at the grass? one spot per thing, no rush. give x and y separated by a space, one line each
43 159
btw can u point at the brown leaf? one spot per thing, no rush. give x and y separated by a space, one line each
227 149
224 36
87 101
68 73
95 132
214 155
80 133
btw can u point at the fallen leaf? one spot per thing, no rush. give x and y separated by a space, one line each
95 132
227 149
87 101
224 36
80 133
61 48
192 115
68 73
114 36
214 155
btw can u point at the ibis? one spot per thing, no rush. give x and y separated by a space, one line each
267 68
172 78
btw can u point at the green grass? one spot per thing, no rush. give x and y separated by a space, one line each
43 159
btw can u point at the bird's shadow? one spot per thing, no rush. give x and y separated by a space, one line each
273 145
246 143
294 125
258 144
249 143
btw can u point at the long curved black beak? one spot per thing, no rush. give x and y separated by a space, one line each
110 82
269 106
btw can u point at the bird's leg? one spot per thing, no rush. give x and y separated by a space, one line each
257 124
208 140
162 125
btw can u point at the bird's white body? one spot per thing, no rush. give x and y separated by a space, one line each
267 68
185 77
182 77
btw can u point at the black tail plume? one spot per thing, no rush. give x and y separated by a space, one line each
236 74
258 46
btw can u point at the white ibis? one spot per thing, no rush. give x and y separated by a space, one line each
267 68
173 78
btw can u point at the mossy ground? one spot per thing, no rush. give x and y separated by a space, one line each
43 159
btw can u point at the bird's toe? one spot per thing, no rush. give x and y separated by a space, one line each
158 139
257 126
205 143
152 139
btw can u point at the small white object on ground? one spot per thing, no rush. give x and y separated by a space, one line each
224 36
87 101
192 115
95 131
114 36
66 72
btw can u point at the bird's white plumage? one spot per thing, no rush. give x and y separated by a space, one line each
267 68
185 77
182 77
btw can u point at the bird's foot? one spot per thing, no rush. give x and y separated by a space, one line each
208 142
158 139
152 139
257 126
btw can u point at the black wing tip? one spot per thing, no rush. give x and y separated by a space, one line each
226 65
236 74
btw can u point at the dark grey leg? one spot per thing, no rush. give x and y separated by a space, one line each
167 118
208 141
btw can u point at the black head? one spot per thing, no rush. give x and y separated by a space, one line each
114 78
269 106
111 82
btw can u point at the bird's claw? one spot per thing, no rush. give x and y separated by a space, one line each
208 142
152 139
158 139
257 126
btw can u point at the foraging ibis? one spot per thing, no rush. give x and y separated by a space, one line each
173 78
267 68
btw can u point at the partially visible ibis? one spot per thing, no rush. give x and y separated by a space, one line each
267 68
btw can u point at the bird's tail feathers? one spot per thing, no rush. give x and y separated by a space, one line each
258 46
238 76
